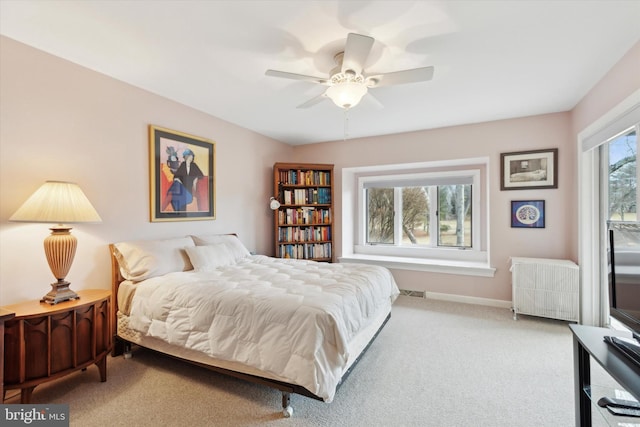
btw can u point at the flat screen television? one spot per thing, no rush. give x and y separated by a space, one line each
624 274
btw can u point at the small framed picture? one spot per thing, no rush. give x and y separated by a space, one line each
526 170
527 213
182 172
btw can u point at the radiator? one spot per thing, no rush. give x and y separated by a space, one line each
546 288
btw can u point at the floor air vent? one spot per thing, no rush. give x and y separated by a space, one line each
419 294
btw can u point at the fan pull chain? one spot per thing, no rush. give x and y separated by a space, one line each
346 124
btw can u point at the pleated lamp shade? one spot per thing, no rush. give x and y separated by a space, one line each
59 203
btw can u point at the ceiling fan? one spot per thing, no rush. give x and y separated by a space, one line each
347 81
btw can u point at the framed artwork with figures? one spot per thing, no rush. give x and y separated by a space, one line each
527 214
182 171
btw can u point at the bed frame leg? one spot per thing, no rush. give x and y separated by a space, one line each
121 348
287 410
127 350
118 346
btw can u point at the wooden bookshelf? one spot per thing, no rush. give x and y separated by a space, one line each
303 225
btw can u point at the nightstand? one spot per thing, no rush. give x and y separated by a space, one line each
43 342
4 316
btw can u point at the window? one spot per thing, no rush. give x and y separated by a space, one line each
619 195
419 215
593 209
622 176
428 215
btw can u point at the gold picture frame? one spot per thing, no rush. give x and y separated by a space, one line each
182 176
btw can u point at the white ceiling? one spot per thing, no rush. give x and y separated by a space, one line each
493 59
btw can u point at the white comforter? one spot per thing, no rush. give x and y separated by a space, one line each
291 318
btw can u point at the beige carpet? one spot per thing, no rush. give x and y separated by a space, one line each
435 364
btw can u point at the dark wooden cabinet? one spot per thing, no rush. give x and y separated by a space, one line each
4 316
43 342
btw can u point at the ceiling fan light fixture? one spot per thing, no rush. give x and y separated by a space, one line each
348 82
347 89
346 95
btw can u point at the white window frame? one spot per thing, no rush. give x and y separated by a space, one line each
591 237
433 250
467 261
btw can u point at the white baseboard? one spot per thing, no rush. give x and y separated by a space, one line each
469 300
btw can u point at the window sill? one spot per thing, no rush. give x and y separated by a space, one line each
465 268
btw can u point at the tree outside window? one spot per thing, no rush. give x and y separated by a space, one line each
623 177
419 219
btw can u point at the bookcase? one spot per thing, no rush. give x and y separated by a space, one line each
303 224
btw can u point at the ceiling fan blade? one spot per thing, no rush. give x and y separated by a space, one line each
401 77
294 76
313 101
356 52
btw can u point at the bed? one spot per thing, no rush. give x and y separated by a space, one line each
295 325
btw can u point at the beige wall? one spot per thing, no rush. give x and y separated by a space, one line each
560 237
620 82
477 140
61 121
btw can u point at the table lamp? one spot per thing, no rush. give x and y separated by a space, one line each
58 202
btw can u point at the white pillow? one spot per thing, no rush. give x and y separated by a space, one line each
143 259
210 257
236 248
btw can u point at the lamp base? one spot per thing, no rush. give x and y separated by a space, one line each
59 292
